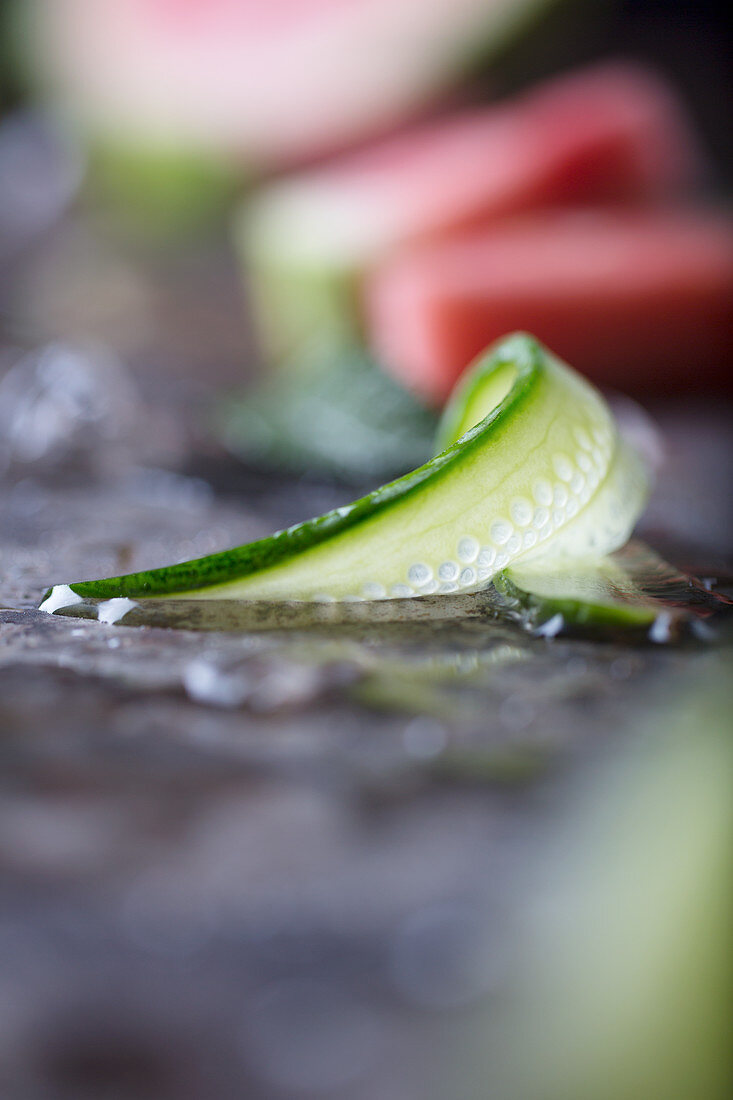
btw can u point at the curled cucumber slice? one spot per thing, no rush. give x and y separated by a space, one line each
530 471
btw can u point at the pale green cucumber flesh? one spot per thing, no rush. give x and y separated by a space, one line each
542 476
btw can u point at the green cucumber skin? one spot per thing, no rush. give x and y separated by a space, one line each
286 563
601 609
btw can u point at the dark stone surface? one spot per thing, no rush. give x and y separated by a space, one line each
272 865
269 865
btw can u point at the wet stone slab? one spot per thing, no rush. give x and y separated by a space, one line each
265 863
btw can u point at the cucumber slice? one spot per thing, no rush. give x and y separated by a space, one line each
633 588
532 470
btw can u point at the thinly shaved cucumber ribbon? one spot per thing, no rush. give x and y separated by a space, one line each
531 473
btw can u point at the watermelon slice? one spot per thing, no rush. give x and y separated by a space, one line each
267 81
636 299
611 133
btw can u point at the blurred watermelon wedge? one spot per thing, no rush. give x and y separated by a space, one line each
637 299
266 82
612 134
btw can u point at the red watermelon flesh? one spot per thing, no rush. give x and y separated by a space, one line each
610 133
638 299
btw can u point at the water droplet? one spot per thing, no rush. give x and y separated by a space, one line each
577 481
448 571
583 438
501 532
419 573
61 595
542 491
205 683
401 591
550 628
521 511
563 466
661 629
374 591
111 611
424 738
468 548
